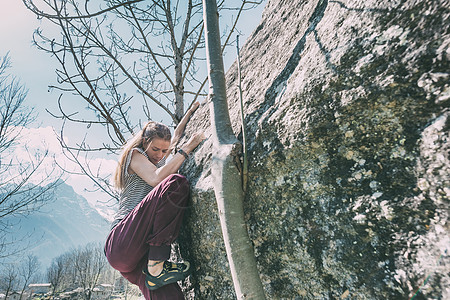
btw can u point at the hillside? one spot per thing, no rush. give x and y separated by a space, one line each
64 223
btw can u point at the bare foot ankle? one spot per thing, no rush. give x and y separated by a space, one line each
155 267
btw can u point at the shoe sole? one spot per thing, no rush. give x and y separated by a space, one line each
154 286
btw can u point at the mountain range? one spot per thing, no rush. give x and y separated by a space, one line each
64 223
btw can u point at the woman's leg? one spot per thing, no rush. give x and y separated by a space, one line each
149 229
168 216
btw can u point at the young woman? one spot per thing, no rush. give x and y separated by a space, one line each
151 206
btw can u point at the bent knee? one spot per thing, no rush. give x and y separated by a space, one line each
178 189
121 262
119 256
180 179
178 182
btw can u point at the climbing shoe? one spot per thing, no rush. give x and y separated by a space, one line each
172 272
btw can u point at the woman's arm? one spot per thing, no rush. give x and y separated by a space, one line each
149 173
178 132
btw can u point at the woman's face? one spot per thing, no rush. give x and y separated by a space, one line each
157 149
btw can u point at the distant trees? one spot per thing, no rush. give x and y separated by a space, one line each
23 182
88 264
58 272
15 277
8 279
79 268
126 62
83 269
28 271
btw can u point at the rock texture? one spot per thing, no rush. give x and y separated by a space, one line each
346 106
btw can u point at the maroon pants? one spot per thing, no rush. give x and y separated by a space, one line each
147 233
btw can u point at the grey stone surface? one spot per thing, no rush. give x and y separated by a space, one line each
347 113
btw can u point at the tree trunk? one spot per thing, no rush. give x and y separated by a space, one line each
179 88
226 176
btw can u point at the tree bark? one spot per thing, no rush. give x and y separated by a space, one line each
226 176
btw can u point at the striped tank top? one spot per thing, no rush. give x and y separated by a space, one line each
135 189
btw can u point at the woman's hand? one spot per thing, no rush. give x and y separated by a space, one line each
178 132
194 141
194 107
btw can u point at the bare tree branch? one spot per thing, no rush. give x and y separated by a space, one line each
23 186
31 6
124 64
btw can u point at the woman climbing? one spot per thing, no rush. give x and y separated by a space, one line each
151 207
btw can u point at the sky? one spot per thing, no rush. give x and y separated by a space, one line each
36 71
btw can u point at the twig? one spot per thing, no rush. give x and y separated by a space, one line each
244 134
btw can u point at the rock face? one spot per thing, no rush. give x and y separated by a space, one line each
346 111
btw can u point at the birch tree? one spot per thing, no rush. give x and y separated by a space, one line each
226 176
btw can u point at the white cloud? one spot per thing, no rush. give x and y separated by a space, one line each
32 148
42 138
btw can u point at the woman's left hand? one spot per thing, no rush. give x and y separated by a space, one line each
178 132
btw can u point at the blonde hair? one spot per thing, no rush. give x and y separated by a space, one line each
141 140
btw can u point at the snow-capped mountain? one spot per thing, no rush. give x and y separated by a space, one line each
66 222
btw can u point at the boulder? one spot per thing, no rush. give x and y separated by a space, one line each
346 109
